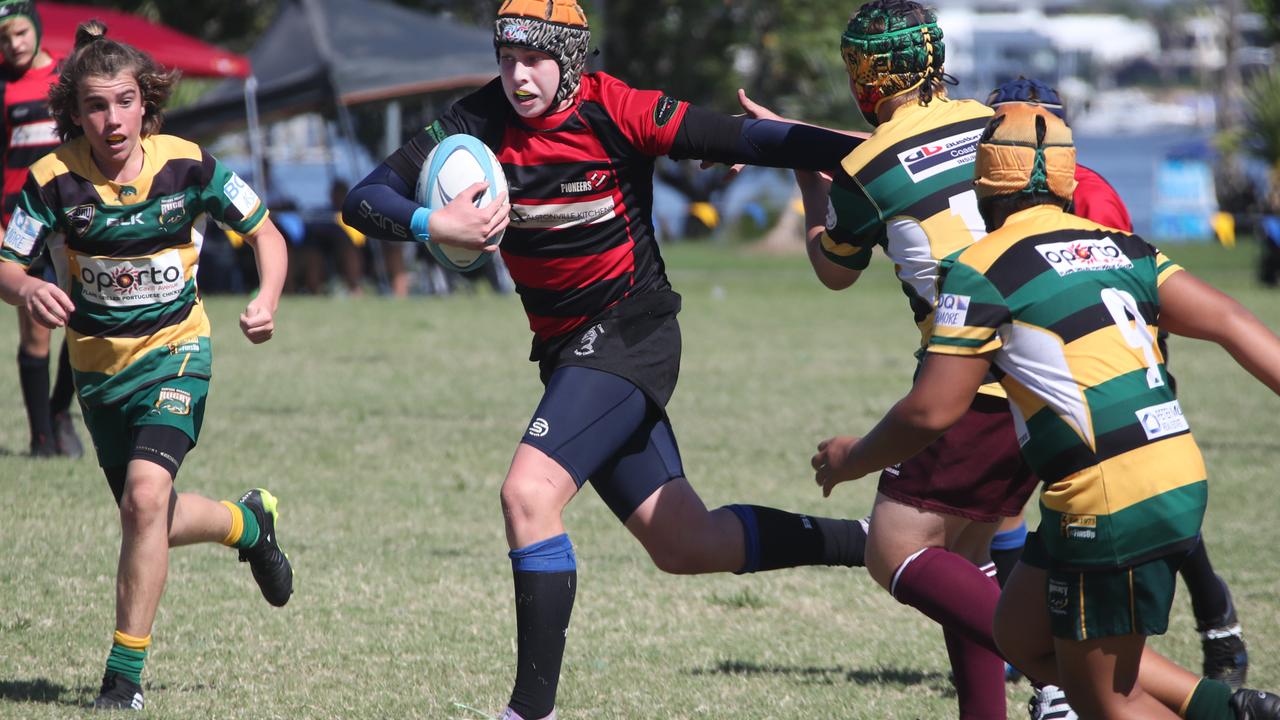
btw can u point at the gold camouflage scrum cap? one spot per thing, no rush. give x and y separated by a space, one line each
1025 149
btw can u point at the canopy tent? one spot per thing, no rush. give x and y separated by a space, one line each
169 47
322 54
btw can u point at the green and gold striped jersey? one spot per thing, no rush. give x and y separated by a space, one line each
1070 309
909 189
127 255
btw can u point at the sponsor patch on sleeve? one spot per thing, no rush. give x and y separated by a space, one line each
664 110
241 195
22 233
953 310
1162 420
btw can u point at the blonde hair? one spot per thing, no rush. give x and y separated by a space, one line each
97 56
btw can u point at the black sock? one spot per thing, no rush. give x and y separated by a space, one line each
1005 560
1210 600
33 375
63 386
544 602
546 580
776 539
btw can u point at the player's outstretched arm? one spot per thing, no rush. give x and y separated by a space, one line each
46 302
940 396
1193 308
257 322
815 189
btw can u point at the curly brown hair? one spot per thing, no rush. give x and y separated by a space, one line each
97 56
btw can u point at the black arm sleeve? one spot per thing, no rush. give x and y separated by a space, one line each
707 135
380 206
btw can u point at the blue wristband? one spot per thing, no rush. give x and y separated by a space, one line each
419 224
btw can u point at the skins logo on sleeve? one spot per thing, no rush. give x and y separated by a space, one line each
664 110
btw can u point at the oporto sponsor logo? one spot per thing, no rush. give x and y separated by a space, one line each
952 311
22 233
134 282
924 161
1082 255
1162 420
539 427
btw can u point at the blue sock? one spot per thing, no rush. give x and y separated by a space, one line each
1006 548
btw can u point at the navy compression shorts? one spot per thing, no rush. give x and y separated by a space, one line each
600 427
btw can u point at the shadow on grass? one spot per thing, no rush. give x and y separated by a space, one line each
830 675
38 690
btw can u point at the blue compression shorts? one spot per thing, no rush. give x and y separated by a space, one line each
600 427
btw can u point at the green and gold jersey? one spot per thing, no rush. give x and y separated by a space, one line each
127 254
1070 309
909 189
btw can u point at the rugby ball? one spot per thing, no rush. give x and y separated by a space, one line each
458 162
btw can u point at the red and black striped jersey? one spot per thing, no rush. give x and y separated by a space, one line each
581 186
29 132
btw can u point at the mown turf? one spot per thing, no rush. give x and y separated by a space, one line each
386 427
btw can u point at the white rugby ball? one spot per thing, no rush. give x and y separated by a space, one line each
458 162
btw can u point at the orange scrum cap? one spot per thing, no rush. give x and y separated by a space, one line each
1025 149
555 27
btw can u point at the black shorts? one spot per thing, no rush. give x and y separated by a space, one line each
602 428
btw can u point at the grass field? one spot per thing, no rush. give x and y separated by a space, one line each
386 427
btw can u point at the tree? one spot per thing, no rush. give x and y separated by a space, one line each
233 25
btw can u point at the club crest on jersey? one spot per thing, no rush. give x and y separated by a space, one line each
1080 527
173 209
952 311
174 401
80 218
1081 255
596 180
924 161
22 233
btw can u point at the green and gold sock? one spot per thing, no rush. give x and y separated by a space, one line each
1211 700
128 655
244 526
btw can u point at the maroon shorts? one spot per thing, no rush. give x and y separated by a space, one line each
975 470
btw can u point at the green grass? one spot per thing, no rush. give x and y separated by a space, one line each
386 427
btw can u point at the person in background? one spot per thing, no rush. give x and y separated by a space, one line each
27 133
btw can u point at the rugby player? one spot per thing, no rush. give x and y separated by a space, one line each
578 149
121 210
1225 656
27 133
1064 312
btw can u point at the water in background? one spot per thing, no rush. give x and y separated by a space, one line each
1129 163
